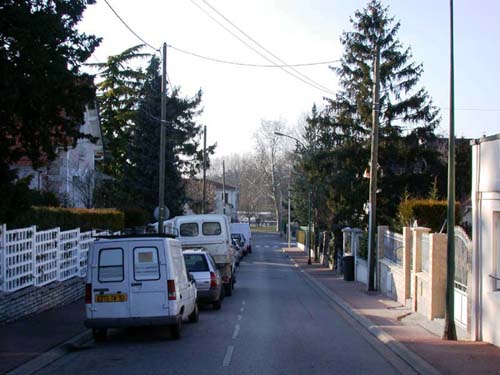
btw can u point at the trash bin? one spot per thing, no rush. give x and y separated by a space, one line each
348 267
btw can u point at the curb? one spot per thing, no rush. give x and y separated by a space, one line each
413 360
43 360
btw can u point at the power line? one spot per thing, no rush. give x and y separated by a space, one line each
214 59
129 28
300 76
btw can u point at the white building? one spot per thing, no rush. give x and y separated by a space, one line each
226 200
485 325
73 169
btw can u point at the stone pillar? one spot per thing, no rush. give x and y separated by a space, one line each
417 260
437 275
407 262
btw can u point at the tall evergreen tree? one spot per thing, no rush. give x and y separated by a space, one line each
183 155
407 122
43 93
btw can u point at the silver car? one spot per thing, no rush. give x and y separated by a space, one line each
202 266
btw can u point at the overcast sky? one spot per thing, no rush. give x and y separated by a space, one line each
236 98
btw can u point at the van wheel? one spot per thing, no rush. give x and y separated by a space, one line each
228 289
99 334
195 315
175 330
217 304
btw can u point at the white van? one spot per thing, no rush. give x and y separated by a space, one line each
212 234
244 229
138 281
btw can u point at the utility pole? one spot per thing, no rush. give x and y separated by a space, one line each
289 225
309 235
204 169
161 193
450 332
223 187
373 170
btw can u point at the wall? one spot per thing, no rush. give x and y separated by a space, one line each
362 271
392 282
486 239
33 300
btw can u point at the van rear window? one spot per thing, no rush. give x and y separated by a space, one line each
189 230
196 263
110 268
146 264
211 229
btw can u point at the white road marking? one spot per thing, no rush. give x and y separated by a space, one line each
227 357
239 317
243 302
236 331
267 246
242 309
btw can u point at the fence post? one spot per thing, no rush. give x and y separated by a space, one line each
417 260
3 256
437 273
33 247
381 229
407 262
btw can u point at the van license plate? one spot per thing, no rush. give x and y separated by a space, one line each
111 298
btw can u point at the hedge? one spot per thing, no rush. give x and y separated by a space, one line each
428 213
71 218
135 217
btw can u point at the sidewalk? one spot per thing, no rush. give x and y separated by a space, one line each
405 327
26 339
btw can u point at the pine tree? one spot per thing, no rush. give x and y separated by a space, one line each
407 122
182 155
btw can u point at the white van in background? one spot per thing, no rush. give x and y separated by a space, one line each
138 281
243 228
212 234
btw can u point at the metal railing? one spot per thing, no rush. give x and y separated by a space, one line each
393 247
425 252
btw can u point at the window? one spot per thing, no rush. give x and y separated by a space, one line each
196 263
110 267
189 230
146 264
211 229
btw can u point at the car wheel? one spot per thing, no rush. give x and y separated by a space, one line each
99 334
175 330
195 315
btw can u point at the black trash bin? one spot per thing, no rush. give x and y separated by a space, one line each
348 267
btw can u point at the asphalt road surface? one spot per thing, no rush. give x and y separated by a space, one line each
275 323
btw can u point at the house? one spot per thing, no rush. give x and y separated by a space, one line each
71 175
485 325
226 200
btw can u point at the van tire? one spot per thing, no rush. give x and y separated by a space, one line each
175 330
217 304
195 315
99 334
228 288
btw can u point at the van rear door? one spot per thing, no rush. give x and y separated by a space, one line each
110 280
148 279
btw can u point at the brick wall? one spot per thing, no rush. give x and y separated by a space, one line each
33 300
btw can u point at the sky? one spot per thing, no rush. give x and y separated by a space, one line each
236 98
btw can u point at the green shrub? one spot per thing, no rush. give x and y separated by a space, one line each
71 218
301 236
363 246
135 217
428 213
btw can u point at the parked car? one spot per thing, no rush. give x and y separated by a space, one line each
238 252
212 234
202 266
243 228
138 281
240 240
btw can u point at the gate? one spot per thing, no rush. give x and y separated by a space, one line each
463 253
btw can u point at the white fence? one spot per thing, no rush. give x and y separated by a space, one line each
30 257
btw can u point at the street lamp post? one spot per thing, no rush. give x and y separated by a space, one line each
308 240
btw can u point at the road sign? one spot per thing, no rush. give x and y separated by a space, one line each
166 212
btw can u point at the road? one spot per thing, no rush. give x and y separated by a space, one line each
275 323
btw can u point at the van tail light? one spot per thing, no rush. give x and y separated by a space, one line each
88 294
172 296
213 280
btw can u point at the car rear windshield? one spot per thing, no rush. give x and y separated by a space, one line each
110 267
196 263
189 230
211 229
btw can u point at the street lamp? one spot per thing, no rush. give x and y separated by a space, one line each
309 202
